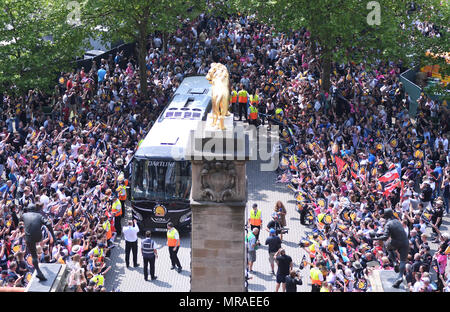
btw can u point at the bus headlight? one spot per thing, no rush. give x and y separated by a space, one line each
137 215
185 217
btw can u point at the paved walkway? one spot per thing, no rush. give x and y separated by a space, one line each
263 191
131 279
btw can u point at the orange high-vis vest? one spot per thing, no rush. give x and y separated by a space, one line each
312 251
116 208
171 240
315 279
233 96
107 227
253 113
122 190
255 219
242 96
254 99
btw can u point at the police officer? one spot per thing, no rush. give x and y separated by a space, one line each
173 242
149 254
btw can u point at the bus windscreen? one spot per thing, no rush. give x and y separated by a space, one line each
161 180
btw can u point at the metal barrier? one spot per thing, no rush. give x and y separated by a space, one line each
127 48
411 88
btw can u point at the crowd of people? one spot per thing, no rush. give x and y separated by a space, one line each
70 164
353 152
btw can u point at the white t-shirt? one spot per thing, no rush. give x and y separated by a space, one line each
74 149
45 200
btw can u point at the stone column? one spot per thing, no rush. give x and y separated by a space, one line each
218 199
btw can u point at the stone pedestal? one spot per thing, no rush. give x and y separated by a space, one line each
56 275
218 250
218 199
388 278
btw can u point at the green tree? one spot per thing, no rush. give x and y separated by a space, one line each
36 43
136 20
349 30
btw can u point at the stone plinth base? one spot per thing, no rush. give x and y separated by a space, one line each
388 278
56 275
218 250
382 280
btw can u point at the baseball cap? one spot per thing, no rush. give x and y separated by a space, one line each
272 231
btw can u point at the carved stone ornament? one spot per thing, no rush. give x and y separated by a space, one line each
218 181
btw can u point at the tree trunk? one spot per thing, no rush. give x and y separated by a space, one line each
326 72
141 47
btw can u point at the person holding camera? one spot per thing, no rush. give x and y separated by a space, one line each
285 266
292 280
276 225
130 234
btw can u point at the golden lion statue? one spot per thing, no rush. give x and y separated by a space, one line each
219 78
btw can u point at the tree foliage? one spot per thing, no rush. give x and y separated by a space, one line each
136 20
36 42
342 30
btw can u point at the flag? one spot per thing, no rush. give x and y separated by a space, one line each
340 164
303 262
389 176
390 187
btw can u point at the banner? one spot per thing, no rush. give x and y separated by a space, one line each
340 164
390 187
389 176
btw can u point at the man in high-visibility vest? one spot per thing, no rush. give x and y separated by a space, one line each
234 100
252 114
116 210
173 242
255 219
242 102
98 251
106 225
279 113
316 279
122 189
256 101
98 278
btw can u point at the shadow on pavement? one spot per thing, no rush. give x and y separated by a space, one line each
160 283
291 244
266 277
254 287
